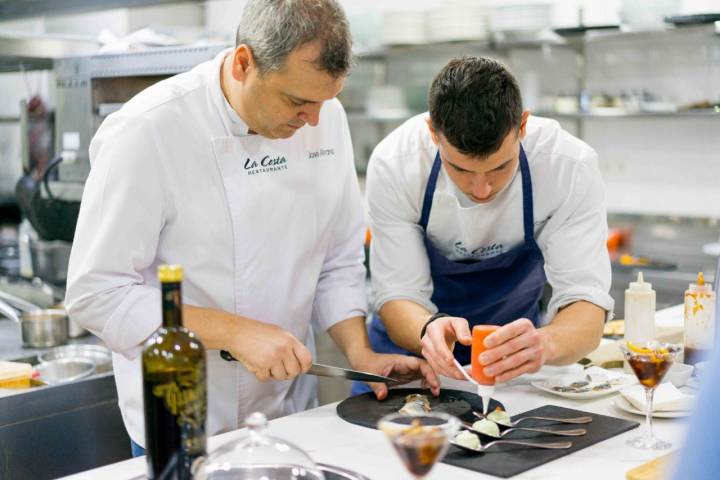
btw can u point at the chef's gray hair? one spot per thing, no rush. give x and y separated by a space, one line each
274 28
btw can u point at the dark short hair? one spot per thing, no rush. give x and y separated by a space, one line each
274 28
475 102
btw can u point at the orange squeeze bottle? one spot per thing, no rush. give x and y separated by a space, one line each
486 389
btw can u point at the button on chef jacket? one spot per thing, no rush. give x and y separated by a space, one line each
269 229
570 219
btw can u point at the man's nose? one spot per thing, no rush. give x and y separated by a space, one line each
481 188
311 114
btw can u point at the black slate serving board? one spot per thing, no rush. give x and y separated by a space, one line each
508 460
365 410
502 461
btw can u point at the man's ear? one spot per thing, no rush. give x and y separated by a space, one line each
523 123
243 62
433 133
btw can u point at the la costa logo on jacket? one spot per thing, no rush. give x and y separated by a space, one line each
266 164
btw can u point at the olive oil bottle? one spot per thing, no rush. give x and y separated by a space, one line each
174 388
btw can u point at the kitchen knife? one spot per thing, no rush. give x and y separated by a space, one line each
331 371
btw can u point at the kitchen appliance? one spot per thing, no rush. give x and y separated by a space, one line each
88 89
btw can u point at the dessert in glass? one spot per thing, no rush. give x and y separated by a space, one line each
420 440
650 361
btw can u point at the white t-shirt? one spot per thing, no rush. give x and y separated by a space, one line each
569 216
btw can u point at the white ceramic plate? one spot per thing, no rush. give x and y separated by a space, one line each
623 404
548 384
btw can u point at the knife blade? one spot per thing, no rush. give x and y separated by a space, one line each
332 371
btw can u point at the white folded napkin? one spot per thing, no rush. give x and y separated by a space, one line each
667 398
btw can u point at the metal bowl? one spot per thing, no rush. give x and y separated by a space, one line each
98 355
64 370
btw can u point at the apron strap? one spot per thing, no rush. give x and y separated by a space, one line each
528 213
429 192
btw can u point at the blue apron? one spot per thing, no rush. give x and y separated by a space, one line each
494 291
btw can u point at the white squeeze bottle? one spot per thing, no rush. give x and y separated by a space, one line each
639 312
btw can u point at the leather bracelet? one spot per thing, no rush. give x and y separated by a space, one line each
430 320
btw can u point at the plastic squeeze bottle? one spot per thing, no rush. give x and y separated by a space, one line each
639 311
486 389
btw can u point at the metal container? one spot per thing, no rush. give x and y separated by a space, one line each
64 370
50 260
98 355
39 328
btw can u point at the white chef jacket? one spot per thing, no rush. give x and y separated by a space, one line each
569 209
268 229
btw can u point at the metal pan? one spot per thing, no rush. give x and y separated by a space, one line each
98 355
39 328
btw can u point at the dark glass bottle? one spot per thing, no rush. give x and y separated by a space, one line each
174 389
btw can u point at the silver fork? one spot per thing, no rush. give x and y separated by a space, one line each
548 445
575 432
576 420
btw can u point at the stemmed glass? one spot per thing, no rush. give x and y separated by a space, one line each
650 361
420 440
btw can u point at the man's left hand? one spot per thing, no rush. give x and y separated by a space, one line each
404 368
513 350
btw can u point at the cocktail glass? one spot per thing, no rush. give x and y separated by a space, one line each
420 440
650 361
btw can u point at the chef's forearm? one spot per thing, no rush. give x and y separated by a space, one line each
404 320
574 332
351 337
214 327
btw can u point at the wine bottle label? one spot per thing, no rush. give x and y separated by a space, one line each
184 397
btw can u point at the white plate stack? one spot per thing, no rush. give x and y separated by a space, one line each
403 27
518 17
458 20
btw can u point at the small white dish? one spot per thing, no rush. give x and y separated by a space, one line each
594 379
679 374
626 406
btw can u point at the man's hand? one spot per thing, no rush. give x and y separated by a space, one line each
512 350
269 352
439 341
400 367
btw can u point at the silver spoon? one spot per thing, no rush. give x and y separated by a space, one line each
575 432
550 445
513 423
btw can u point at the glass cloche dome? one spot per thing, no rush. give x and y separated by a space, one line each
258 456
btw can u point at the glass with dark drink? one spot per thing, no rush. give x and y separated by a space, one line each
650 362
420 440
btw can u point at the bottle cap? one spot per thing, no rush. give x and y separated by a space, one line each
700 286
170 273
641 284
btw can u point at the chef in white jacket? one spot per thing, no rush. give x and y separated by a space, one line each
474 208
240 170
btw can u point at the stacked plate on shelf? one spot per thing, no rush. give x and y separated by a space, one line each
403 27
457 20
518 17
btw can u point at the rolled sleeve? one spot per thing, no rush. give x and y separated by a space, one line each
399 266
122 214
577 263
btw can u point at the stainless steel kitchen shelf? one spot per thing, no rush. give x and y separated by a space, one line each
503 41
20 52
156 61
709 113
14 9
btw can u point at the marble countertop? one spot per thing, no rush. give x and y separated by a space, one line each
328 439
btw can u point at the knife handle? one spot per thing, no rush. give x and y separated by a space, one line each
227 356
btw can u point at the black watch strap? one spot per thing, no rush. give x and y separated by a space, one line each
430 320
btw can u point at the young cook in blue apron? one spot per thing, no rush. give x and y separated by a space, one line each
481 238
495 291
